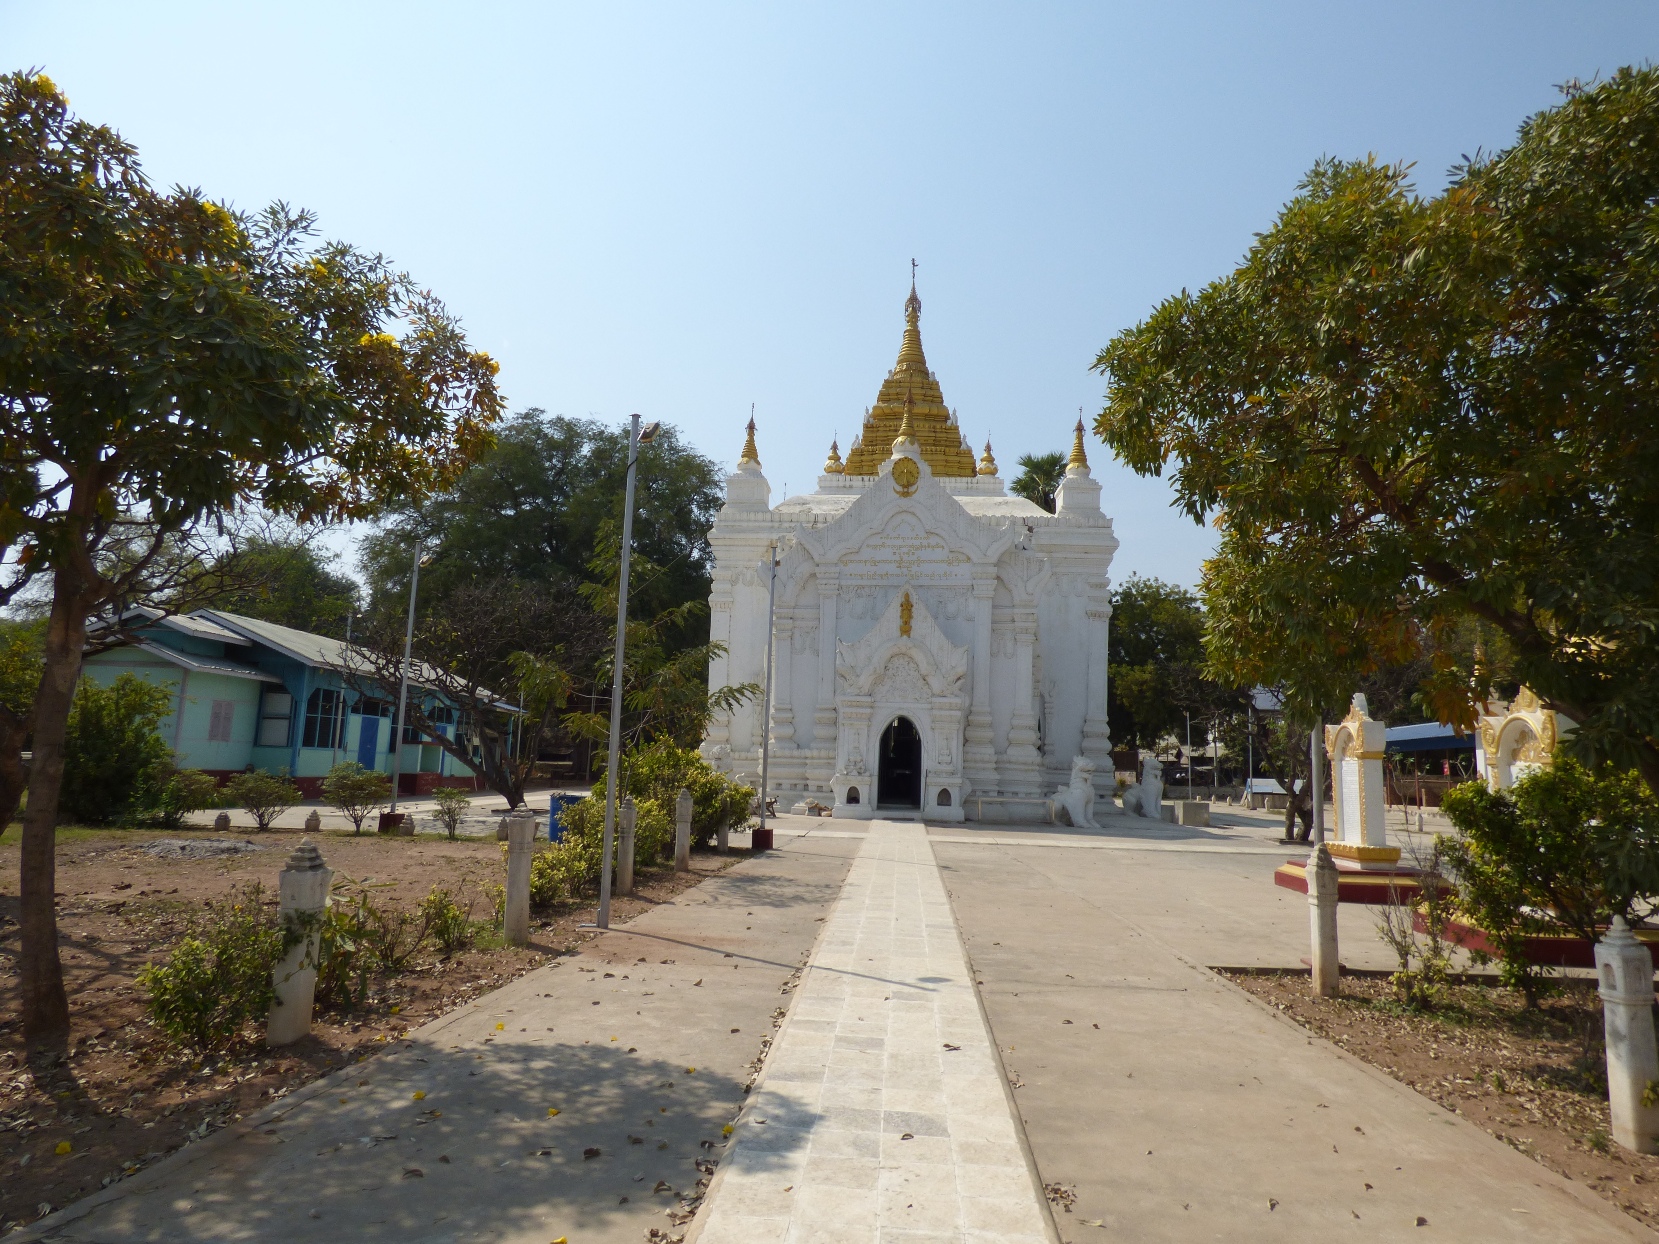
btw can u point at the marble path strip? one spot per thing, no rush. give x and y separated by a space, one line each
882 1115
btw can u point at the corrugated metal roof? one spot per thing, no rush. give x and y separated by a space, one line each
1428 736
198 626
198 664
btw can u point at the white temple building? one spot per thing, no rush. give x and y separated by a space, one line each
940 645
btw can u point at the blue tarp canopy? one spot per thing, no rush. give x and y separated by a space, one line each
1430 736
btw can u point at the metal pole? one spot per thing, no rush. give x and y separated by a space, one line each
1250 745
604 918
1316 778
766 698
403 683
1189 755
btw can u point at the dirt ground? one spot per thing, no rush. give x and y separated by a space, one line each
1534 1079
126 1097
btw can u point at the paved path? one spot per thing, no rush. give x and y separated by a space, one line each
883 1114
1180 1108
649 1032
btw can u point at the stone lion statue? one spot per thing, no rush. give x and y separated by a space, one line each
1073 804
1146 797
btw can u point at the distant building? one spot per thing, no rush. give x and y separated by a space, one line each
254 695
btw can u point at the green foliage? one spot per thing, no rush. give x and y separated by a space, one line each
658 772
449 922
20 665
451 805
167 795
394 936
113 746
1157 664
1567 848
345 960
217 979
264 796
355 791
1039 478
289 583
1406 413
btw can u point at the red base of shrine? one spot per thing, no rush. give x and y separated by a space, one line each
1354 885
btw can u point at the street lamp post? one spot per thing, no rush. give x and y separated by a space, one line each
771 564
1189 755
637 436
403 682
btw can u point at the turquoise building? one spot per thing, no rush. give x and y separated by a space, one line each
254 695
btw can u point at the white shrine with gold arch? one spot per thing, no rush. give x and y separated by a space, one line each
1517 739
939 644
1356 747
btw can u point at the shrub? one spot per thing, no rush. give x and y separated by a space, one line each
167 795
569 868
355 791
113 744
451 924
659 771
264 796
344 960
218 978
1567 848
452 805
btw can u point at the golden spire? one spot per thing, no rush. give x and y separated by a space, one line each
750 453
833 464
987 464
907 434
930 425
1078 457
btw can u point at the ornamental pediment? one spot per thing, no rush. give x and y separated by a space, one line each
904 651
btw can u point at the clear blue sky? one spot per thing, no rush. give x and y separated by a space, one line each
682 209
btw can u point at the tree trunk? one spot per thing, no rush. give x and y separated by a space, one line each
45 1005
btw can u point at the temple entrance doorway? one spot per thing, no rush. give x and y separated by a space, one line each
899 775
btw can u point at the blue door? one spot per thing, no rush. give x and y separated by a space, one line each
368 740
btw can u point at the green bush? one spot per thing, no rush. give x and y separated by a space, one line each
356 791
218 978
113 745
659 771
264 796
569 868
451 924
345 958
167 795
1565 849
452 805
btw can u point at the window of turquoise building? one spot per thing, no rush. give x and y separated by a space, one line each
276 713
322 718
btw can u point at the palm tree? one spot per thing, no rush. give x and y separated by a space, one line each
1039 478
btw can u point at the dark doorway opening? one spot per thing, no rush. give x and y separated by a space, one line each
899 779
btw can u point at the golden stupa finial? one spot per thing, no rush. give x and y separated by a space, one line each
750 453
906 438
1078 457
912 304
833 464
987 464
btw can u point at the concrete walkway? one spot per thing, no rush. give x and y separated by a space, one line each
883 1114
1178 1107
643 1043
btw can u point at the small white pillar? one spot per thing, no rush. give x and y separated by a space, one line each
722 838
1624 970
1322 896
303 893
629 820
682 832
521 842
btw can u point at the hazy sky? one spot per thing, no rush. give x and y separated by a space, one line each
682 209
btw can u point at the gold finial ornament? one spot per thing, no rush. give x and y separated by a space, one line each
833 464
906 439
750 453
936 434
907 611
1078 457
987 464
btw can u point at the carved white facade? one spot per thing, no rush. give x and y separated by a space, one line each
910 598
